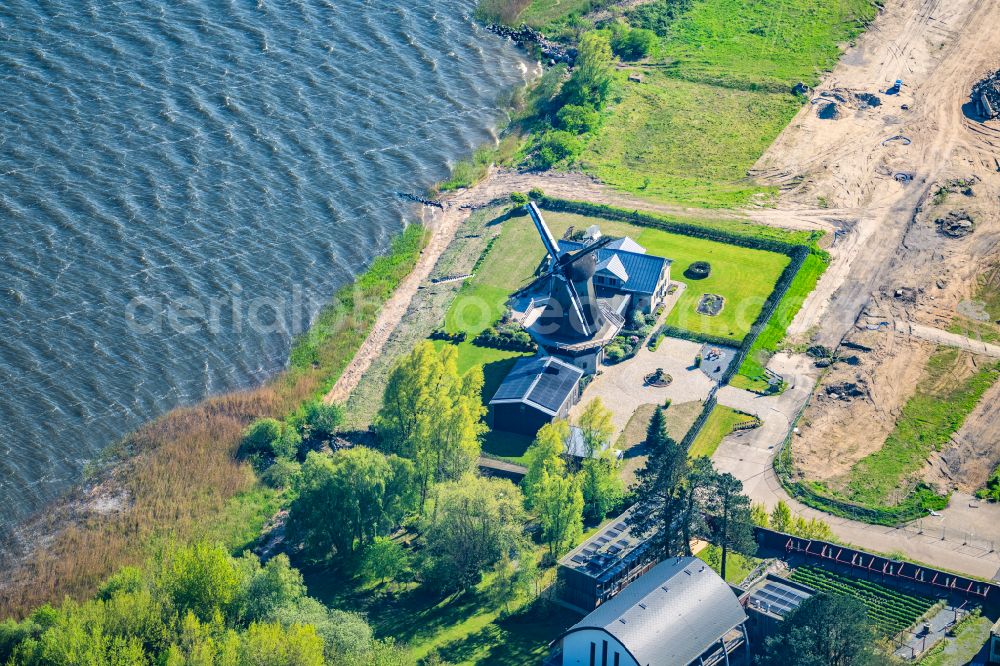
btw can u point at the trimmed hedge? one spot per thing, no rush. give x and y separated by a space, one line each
700 422
705 338
441 334
666 224
506 339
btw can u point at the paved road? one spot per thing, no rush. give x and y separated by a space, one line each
961 538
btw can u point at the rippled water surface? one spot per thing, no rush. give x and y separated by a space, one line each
166 164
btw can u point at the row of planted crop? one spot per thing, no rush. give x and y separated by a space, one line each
876 593
885 615
915 601
889 609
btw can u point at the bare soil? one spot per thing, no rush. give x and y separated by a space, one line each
892 269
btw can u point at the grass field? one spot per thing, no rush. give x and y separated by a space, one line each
765 44
719 424
675 140
947 394
715 94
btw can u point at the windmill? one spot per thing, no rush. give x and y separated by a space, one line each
572 311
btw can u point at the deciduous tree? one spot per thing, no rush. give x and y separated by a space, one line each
559 502
595 426
603 488
825 630
545 455
593 73
475 522
781 517
346 499
384 559
432 415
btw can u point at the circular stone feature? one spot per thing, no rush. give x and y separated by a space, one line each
710 304
699 270
658 378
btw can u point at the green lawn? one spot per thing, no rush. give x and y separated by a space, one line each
938 409
691 143
765 44
738 566
743 276
719 424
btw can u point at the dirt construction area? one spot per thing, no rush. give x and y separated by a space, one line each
913 186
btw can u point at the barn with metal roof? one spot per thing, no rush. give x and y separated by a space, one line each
535 391
679 613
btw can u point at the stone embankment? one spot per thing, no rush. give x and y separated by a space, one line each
527 37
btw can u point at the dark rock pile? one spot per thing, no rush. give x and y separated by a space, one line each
527 37
986 94
828 111
846 390
956 224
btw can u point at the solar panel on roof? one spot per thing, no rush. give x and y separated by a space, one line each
579 559
554 385
613 533
620 526
517 382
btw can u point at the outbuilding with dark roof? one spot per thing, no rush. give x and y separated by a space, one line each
678 613
535 391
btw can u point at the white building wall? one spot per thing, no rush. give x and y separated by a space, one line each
577 646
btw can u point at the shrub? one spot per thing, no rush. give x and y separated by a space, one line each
614 353
441 334
518 198
507 336
556 146
281 474
270 438
698 270
657 16
578 119
634 44
536 193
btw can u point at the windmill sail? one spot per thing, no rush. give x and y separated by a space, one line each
543 230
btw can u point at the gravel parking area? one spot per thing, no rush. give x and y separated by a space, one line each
622 387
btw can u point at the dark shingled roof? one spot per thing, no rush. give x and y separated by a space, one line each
643 269
543 382
669 615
